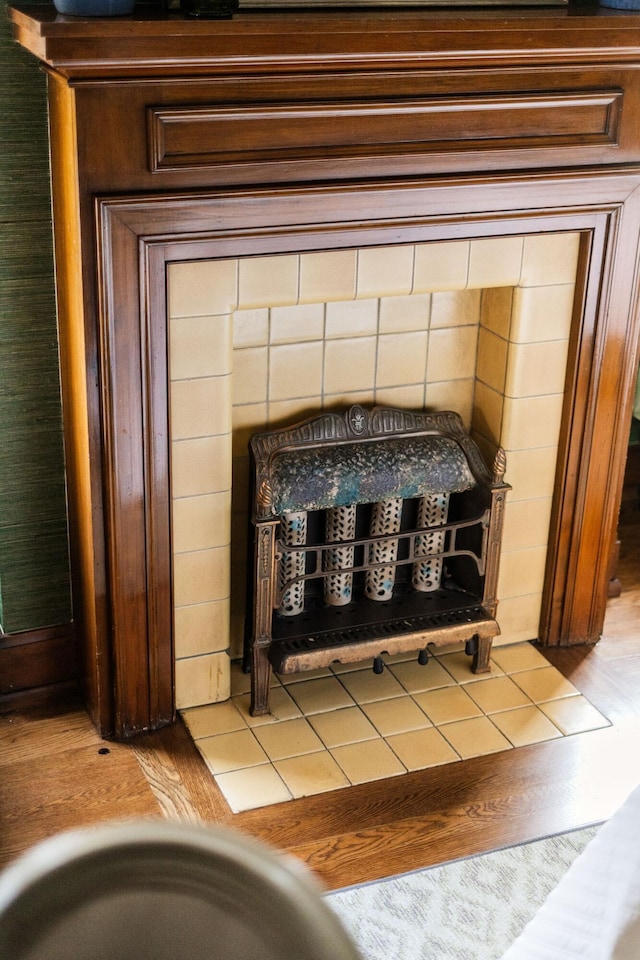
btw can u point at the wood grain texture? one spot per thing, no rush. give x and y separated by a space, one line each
52 776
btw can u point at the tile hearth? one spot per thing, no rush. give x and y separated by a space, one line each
346 725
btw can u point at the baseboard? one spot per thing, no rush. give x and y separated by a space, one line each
37 666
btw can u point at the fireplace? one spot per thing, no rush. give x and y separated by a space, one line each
480 326
273 139
375 532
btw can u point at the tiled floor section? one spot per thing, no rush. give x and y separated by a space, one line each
347 725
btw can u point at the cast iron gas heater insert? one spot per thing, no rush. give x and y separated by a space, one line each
374 532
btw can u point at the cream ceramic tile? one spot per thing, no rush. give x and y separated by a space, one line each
420 749
201 680
200 347
200 408
202 288
281 708
349 364
402 359
492 360
544 683
452 353
250 375
495 310
542 313
532 422
455 308
317 696
328 276
201 576
475 738
519 657
447 704
519 619
200 465
201 628
497 694
231 751
536 368
526 523
268 281
574 715
452 395
251 328
289 738
411 397
248 419
351 318
495 262
403 314
458 664
416 677
344 398
399 715
550 258
202 522
297 323
365 685
295 370
251 788
522 572
441 266
531 473
285 412
339 727
312 774
487 413
368 761
385 271
526 725
212 719
289 678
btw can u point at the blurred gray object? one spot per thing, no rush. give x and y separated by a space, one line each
160 891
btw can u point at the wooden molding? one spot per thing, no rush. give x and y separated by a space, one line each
37 665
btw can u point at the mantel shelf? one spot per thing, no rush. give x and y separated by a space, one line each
155 43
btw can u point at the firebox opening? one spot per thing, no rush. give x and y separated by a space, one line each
480 327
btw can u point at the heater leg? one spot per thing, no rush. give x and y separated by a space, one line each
260 680
423 657
378 664
480 649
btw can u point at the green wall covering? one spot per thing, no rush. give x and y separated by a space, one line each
34 569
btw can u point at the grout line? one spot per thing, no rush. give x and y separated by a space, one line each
405 695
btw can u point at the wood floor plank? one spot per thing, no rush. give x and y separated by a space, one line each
64 789
53 777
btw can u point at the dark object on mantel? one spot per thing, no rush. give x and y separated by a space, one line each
375 531
210 9
95 8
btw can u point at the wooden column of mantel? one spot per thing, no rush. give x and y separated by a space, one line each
293 131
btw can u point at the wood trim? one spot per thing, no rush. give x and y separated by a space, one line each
37 665
138 236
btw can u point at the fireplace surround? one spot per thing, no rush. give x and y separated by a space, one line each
275 134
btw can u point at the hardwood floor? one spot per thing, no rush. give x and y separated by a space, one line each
55 773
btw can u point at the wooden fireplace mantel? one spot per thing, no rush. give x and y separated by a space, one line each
177 139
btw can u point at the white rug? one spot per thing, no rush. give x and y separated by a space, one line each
466 910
